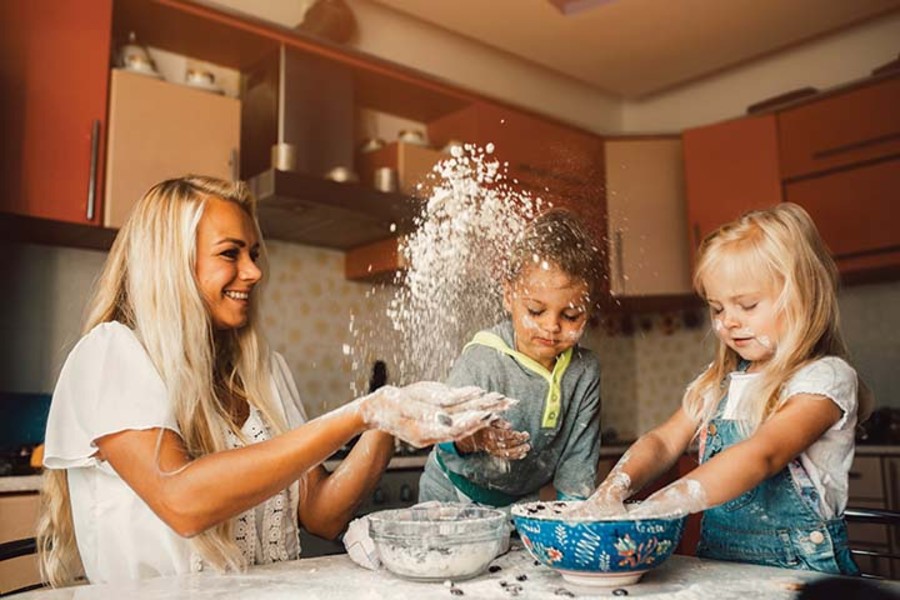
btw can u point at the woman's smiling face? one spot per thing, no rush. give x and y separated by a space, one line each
227 250
549 310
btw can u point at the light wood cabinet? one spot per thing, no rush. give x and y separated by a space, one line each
18 520
55 69
160 130
646 217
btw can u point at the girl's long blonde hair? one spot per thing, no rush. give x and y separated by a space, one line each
149 284
782 246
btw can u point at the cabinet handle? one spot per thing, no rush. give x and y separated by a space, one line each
234 160
620 261
92 173
854 475
866 143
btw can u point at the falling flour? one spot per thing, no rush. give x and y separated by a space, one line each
455 258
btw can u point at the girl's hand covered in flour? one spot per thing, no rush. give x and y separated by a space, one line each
498 439
429 412
683 497
607 501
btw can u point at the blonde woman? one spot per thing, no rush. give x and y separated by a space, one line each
775 412
176 441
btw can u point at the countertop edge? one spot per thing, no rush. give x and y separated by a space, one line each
17 484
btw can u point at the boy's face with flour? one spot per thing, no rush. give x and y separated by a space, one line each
549 309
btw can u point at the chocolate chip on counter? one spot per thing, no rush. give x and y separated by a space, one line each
494 568
455 591
503 583
563 592
620 592
537 563
522 577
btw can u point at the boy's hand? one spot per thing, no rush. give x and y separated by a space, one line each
498 439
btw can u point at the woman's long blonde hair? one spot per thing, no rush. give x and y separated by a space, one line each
149 284
782 246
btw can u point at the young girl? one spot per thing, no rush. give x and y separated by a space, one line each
775 411
553 434
175 438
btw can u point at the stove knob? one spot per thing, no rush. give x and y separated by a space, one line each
406 494
378 496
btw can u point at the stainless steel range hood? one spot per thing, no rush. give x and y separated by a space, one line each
293 98
318 212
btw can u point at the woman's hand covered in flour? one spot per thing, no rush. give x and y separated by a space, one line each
497 439
683 497
429 412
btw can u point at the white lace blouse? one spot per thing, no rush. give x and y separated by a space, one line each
108 384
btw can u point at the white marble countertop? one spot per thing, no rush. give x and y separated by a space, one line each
337 578
12 484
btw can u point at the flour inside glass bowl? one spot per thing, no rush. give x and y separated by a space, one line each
439 541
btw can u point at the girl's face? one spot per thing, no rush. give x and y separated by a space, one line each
743 312
548 310
227 250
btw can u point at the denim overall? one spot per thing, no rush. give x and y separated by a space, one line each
777 523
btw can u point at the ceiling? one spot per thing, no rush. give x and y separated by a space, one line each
635 48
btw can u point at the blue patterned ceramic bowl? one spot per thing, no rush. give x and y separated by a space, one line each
597 553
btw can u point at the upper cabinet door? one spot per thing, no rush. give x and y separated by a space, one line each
648 247
556 162
55 69
861 125
730 168
160 130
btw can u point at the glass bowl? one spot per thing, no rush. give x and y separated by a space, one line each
612 552
438 542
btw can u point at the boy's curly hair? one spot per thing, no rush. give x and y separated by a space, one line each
558 237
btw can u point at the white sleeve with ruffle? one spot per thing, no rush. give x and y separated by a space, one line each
831 377
108 384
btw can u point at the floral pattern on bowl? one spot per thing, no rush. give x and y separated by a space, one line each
600 552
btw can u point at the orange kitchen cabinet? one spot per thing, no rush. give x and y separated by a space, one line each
55 67
160 130
411 163
861 124
556 162
855 211
647 230
729 168
378 261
